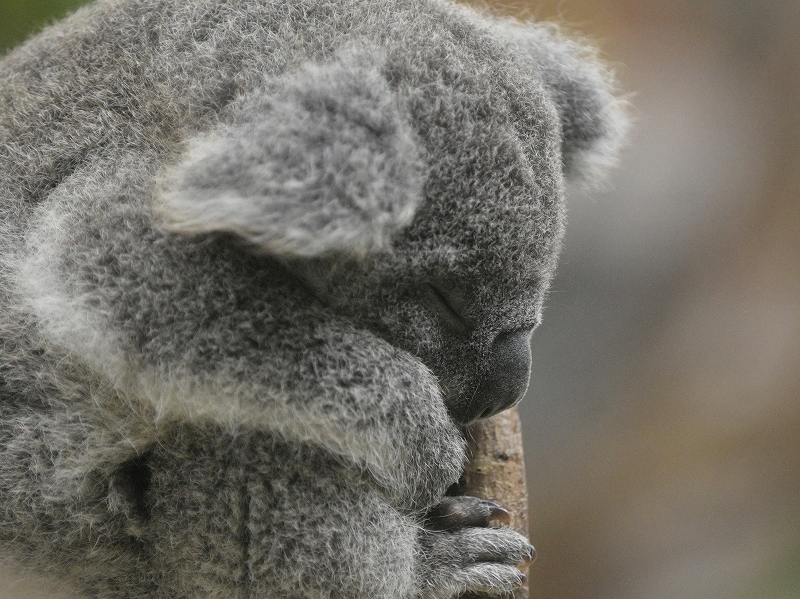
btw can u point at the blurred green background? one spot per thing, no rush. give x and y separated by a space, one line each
662 425
18 18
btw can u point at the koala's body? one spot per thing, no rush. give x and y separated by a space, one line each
260 259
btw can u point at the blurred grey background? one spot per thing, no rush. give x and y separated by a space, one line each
663 421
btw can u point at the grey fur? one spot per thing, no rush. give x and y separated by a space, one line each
258 258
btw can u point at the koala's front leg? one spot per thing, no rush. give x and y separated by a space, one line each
461 553
275 519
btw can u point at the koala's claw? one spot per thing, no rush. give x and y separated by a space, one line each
463 554
500 514
464 511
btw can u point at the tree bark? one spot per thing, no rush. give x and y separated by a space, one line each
496 471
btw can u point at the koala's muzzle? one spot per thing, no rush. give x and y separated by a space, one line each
504 381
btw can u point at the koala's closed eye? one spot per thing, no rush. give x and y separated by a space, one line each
451 307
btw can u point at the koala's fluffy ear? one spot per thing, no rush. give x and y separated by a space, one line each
324 162
594 122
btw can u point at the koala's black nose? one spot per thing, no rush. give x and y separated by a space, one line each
505 379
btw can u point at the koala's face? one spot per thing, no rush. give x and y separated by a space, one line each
464 295
462 286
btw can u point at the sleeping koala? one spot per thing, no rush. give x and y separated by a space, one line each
261 259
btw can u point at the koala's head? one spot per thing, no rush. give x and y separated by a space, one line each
419 193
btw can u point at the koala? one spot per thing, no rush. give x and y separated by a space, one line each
260 261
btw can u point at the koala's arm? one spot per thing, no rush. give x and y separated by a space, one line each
201 330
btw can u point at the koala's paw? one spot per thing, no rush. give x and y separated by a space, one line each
461 553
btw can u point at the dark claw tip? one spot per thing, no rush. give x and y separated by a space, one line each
498 514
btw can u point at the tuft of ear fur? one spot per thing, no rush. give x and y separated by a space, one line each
323 162
594 122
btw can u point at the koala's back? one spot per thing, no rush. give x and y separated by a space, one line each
141 74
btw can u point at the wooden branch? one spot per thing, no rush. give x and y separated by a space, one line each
496 471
